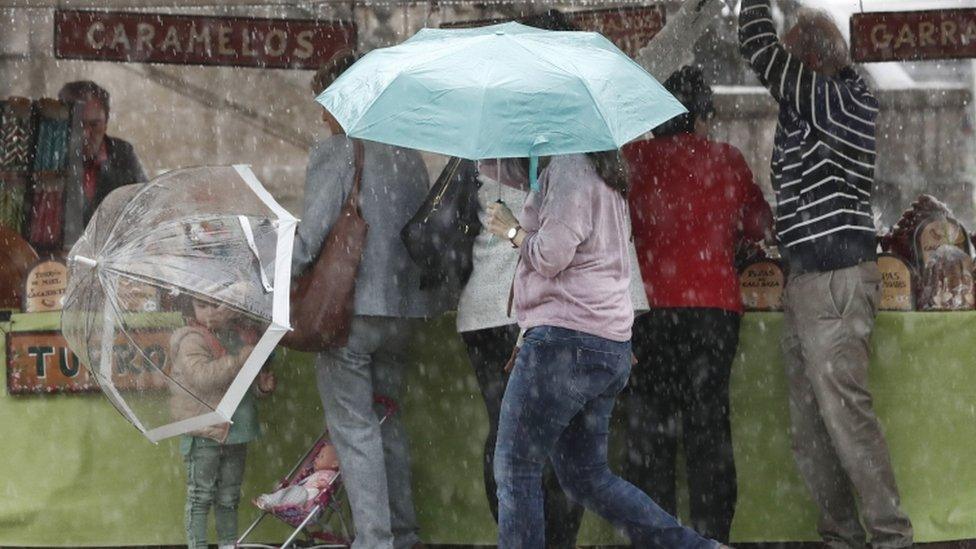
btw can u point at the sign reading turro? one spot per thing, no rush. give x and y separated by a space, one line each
41 362
200 40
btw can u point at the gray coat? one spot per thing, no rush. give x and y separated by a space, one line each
395 183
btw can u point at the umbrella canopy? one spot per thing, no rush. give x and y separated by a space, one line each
178 293
500 91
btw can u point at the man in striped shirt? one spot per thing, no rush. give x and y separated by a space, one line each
823 171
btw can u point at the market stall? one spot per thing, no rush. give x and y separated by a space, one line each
80 468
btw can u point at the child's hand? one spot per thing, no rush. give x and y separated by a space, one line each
266 382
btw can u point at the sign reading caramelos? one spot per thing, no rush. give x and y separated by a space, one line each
200 40
913 35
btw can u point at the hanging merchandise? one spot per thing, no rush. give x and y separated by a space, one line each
13 191
50 161
47 211
15 134
52 136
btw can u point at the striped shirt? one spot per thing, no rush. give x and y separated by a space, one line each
823 154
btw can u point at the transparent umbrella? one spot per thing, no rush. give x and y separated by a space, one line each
178 293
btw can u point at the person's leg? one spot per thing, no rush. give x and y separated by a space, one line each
599 373
838 351
201 484
229 478
813 448
707 431
651 405
537 406
488 351
563 515
389 363
345 385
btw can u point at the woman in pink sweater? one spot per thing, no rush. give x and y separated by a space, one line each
571 295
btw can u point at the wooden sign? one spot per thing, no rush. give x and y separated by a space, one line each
761 284
200 40
45 286
896 284
629 28
41 362
913 35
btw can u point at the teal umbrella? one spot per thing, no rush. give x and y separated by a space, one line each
500 91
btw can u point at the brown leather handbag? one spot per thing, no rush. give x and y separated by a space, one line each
322 297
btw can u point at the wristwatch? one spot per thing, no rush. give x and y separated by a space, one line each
511 234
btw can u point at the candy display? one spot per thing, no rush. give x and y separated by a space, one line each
936 247
947 280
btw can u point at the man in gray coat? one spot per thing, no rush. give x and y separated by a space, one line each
375 459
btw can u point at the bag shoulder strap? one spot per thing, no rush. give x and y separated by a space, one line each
359 155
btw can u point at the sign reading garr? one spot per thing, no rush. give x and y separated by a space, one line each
913 35
200 40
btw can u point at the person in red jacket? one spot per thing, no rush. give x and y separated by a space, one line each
691 201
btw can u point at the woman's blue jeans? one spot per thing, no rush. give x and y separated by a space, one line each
557 405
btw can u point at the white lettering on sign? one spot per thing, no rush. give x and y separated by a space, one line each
144 35
923 34
147 38
93 41
304 50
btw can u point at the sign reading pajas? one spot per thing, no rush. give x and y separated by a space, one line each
200 40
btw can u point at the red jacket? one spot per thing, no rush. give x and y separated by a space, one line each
691 200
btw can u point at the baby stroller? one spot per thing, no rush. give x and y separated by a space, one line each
325 507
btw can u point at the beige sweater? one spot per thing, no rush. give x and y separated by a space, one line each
201 379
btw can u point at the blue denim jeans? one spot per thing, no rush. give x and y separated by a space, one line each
557 405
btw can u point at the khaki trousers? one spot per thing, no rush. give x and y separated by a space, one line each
838 443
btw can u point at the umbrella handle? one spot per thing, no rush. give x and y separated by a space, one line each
534 172
534 162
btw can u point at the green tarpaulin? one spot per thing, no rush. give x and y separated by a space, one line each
75 473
